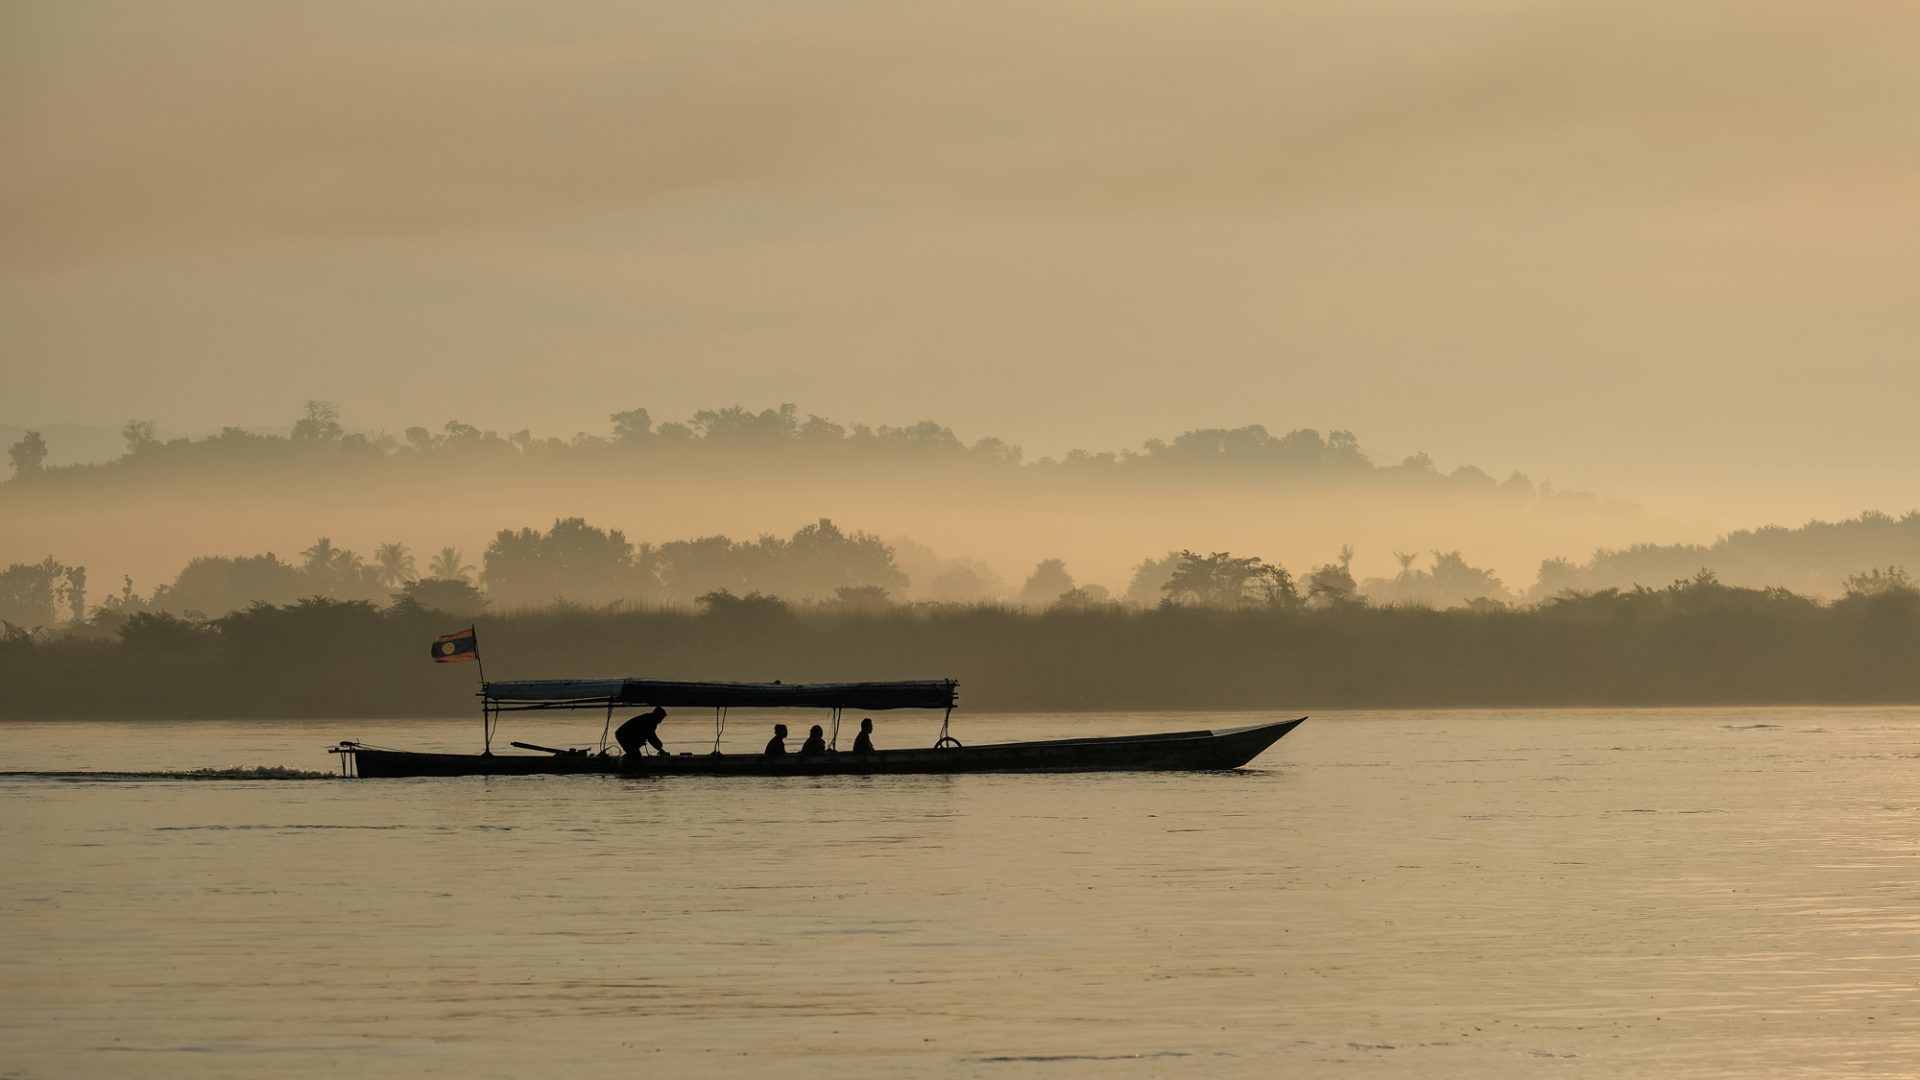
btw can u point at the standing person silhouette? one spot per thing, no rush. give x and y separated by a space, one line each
777 746
863 742
642 731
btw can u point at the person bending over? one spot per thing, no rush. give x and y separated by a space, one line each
863 742
777 746
642 730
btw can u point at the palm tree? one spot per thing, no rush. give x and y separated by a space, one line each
320 557
334 570
648 563
347 563
447 565
393 565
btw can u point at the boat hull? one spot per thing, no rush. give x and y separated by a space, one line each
1174 751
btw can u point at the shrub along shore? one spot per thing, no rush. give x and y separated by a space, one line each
1694 643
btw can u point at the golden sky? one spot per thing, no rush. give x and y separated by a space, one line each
1666 251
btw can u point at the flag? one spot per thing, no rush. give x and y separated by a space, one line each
452 648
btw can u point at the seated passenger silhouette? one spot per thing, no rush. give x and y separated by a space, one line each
816 743
863 742
777 746
642 730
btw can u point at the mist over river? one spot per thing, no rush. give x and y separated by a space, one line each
1699 893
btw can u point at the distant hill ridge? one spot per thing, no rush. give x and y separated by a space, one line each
319 439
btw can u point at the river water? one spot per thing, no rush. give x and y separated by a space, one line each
1724 893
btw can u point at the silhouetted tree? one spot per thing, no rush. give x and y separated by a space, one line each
1149 584
393 565
320 557
996 451
1046 584
1220 580
815 561
28 455
123 603
338 573
692 568
73 590
450 565
943 580
821 557
215 585
1451 583
1555 576
464 437
573 560
646 563
921 439
735 424
1454 582
323 559
1332 585
632 426
139 435
1518 484
963 583
1416 466
1877 583
321 423
30 591
819 429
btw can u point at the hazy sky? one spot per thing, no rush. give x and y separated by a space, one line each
1667 251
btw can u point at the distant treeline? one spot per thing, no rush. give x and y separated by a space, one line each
575 564
779 436
1812 558
1695 642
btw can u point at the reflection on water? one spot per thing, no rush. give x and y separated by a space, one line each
1708 893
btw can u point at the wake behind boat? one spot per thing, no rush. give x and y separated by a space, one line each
1184 750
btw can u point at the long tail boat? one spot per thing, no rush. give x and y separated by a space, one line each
1181 750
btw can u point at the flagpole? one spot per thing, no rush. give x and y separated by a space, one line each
486 724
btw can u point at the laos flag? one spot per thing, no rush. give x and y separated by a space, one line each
453 648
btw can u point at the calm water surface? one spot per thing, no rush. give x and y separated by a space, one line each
1605 893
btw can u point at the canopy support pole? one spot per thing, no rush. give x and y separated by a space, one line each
833 741
719 725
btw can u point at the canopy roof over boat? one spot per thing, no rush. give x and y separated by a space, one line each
587 693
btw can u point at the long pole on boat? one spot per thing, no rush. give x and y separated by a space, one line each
486 722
